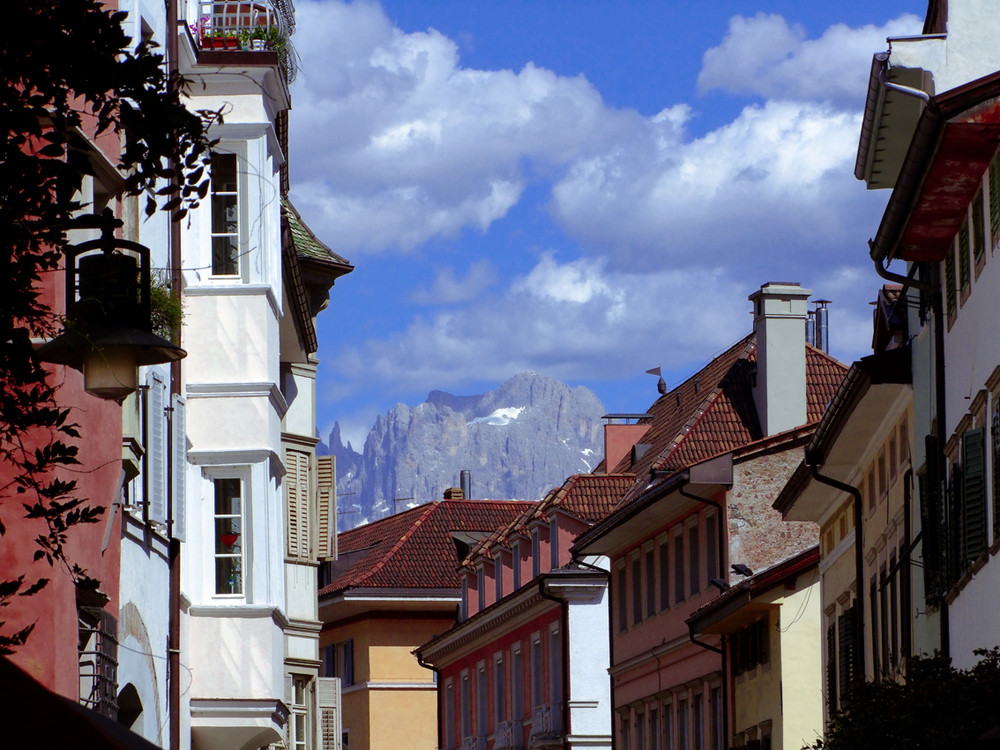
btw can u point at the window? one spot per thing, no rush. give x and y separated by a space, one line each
884 618
498 690
668 726
636 591
640 731
963 256
892 457
871 489
481 712
623 731
873 608
949 280
622 599
654 728
480 588
831 669
338 661
712 546
555 666
679 567
516 682
994 185
846 658
664 574
750 647
553 546
228 536
715 718
893 610
298 717
995 426
516 565
536 672
498 577
535 554
694 569
466 707
682 724
98 663
449 715
225 215
973 494
650 582
882 484
697 722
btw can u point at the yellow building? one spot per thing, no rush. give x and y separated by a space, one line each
771 624
394 586
856 482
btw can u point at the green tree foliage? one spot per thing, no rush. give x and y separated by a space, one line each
937 707
69 71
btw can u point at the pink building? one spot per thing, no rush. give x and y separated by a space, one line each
527 665
716 451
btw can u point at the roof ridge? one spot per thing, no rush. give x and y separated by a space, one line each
706 403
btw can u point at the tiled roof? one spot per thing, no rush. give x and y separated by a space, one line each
415 549
589 497
713 411
307 245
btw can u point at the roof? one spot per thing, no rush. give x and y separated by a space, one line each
307 245
713 411
415 549
589 497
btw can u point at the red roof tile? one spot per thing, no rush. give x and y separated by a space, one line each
415 549
713 411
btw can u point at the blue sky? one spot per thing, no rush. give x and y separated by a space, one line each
584 189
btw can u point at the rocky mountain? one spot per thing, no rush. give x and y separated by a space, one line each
517 441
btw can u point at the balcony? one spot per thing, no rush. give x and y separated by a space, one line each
246 26
477 742
508 736
546 726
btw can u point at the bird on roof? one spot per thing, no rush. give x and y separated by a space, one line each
742 569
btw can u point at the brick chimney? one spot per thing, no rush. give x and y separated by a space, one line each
454 493
779 318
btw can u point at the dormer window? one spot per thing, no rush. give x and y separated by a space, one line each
536 553
481 587
516 565
498 576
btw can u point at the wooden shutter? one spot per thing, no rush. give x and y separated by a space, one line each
949 279
156 449
178 460
297 502
973 494
328 694
995 199
326 510
831 669
964 276
846 636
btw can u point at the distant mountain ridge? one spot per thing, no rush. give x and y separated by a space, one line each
518 442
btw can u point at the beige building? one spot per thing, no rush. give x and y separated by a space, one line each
395 586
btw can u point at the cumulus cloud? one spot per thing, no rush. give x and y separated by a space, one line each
766 56
449 288
397 143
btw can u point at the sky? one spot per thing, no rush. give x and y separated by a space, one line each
587 189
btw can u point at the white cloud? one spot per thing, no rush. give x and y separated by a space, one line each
448 288
766 56
397 143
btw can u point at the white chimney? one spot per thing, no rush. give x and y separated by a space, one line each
779 318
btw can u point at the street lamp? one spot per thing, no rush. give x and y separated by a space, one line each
108 332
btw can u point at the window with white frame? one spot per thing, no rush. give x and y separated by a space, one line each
679 566
449 714
516 682
555 665
466 705
481 710
298 716
649 555
636 566
694 549
536 671
225 205
230 545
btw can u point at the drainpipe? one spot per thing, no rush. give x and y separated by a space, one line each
174 605
907 281
564 642
859 556
724 567
438 687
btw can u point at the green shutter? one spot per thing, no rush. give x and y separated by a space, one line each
963 255
973 494
978 228
949 280
995 197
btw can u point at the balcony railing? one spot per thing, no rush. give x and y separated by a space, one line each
508 736
247 26
478 742
546 725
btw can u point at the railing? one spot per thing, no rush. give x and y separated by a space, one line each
478 742
546 724
508 736
247 26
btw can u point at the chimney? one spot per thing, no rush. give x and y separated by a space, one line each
454 493
620 437
779 318
466 481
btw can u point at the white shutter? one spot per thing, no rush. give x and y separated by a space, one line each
156 438
297 502
328 693
178 460
326 512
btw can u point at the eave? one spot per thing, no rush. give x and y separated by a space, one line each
354 602
955 140
858 409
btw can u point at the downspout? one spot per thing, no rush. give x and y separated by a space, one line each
564 642
174 611
438 687
907 281
859 558
724 567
